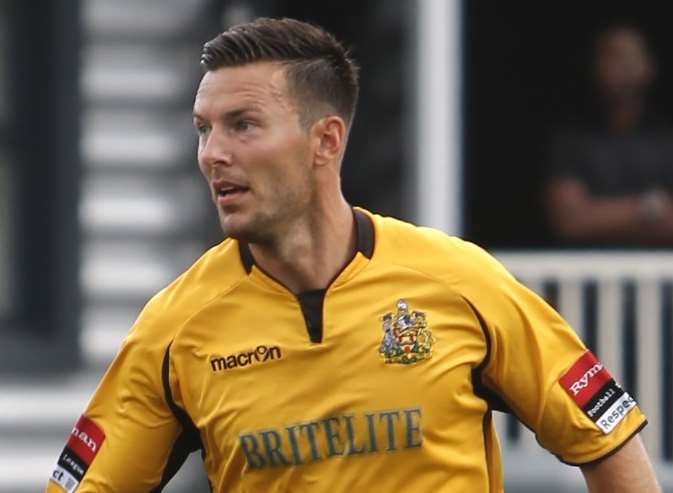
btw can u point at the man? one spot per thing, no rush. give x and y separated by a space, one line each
611 180
322 347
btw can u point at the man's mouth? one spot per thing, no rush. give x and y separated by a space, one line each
230 190
225 193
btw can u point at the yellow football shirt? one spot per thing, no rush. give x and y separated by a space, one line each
384 381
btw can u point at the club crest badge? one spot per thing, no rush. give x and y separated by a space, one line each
406 337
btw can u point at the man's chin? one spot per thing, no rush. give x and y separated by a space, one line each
235 232
241 230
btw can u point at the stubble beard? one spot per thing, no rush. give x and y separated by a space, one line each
245 227
265 227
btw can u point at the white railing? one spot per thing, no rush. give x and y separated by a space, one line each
631 291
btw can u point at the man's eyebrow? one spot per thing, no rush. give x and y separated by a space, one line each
232 114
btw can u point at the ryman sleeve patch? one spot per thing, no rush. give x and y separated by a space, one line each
83 445
594 390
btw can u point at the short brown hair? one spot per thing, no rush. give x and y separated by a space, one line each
319 69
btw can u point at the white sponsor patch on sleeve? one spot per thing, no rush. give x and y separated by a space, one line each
64 479
616 413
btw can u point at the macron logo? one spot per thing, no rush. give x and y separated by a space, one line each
261 354
583 381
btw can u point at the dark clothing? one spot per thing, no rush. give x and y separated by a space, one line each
612 164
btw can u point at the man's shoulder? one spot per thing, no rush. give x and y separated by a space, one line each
454 266
215 272
431 250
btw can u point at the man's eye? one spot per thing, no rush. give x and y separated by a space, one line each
201 129
243 125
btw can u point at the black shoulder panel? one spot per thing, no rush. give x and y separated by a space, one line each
188 441
494 400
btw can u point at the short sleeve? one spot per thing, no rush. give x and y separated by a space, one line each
127 433
544 373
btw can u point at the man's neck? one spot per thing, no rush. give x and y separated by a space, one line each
624 114
312 252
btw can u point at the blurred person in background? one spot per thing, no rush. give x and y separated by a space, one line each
325 348
611 176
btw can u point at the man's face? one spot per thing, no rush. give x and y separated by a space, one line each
252 150
624 67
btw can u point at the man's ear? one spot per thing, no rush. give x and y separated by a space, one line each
330 133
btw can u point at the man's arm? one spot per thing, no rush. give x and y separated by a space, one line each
626 471
128 439
577 215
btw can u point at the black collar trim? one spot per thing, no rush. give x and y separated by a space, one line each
365 231
364 242
246 256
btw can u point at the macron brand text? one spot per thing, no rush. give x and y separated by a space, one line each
260 354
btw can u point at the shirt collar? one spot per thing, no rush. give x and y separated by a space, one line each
364 243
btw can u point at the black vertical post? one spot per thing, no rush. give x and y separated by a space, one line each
44 60
32 163
64 138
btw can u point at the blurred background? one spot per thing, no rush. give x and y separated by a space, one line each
539 131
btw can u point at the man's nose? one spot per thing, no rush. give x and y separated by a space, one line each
215 151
